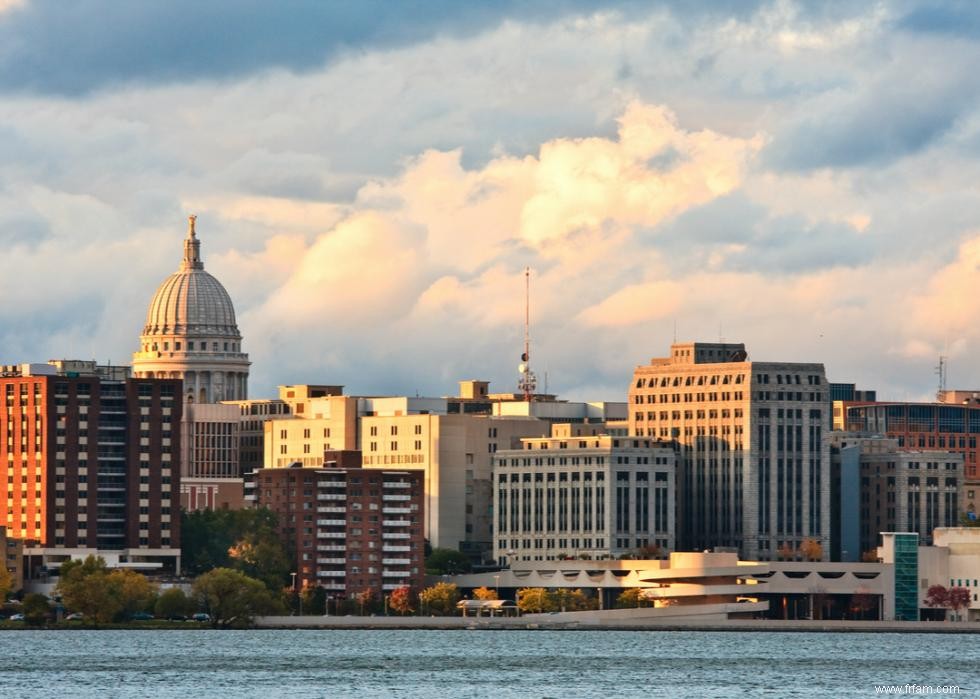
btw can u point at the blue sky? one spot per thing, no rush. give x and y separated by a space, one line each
371 178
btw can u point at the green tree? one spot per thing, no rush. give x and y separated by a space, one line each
447 562
100 594
631 599
172 602
247 540
232 598
440 599
35 609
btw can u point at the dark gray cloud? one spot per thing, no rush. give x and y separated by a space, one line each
771 244
899 116
50 46
953 17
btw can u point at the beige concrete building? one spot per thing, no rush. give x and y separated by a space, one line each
455 452
952 561
575 495
251 430
753 471
318 424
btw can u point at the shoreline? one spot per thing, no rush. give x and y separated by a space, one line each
537 623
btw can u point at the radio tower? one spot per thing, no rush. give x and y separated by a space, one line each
528 382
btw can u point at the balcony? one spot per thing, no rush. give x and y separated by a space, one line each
392 586
395 535
331 573
392 548
397 484
396 523
331 535
331 496
396 510
331 585
396 498
395 561
331 510
331 484
331 522
330 547
331 561
395 574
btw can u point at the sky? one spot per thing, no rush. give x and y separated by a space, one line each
372 178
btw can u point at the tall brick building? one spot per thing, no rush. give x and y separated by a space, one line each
352 529
88 459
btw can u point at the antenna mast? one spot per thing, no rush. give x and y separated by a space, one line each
941 372
527 383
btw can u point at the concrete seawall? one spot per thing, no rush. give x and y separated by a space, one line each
563 622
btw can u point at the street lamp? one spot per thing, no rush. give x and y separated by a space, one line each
496 584
293 585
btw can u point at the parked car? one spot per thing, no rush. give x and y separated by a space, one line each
17 617
75 616
141 616
176 617
201 616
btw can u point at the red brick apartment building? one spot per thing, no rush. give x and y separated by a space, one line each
89 458
352 529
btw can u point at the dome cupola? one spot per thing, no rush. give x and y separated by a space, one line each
191 332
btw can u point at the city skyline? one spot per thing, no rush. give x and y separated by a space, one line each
768 174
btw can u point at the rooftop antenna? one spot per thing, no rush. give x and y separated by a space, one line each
527 383
941 370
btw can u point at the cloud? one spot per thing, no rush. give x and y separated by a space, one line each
370 192
71 49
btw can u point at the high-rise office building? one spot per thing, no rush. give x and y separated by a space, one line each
753 471
951 425
89 459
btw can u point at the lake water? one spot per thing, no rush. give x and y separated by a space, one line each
499 664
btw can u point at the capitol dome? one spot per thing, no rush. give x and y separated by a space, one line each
191 333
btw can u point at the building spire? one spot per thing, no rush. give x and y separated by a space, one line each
192 247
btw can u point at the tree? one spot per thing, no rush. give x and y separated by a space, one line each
811 550
957 599
440 599
400 600
365 600
210 537
649 552
485 593
632 598
6 583
937 596
566 600
35 609
954 598
172 602
785 553
232 598
535 600
100 594
447 562
260 555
